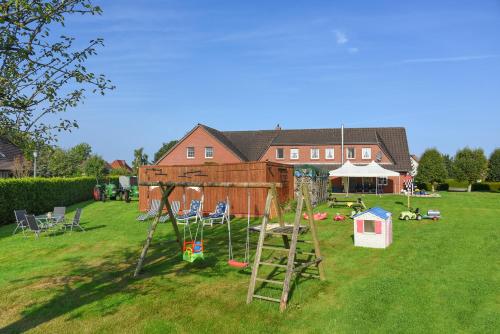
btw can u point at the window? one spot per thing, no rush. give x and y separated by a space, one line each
209 152
366 153
280 153
382 181
314 153
329 153
369 226
294 153
351 153
190 153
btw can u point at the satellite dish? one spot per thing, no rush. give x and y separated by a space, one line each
378 157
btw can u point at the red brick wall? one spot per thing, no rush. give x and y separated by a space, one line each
305 154
199 139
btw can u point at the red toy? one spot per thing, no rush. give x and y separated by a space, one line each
339 217
316 216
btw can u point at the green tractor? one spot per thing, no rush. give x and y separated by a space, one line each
128 188
411 215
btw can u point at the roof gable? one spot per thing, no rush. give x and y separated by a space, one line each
374 212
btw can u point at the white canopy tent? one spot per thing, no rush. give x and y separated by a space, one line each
372 169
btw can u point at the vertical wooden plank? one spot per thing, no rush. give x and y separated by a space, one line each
291 254
164 198
258 252
312 226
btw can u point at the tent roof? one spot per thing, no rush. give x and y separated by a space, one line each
373 169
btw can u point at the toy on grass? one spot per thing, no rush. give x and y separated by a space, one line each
432 214
373 228
316 216
410 214
192 250
338 217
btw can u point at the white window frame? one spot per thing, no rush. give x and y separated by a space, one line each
292 151
347 153
282 155
187 152
314 150
333 153
206 150
366 149
383 181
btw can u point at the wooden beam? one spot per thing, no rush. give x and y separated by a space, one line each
164 198
214 184
258 252
279 212
312 226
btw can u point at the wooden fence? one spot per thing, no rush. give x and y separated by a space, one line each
234 172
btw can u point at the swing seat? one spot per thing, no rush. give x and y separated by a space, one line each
237 264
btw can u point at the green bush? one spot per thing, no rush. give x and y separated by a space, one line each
41 195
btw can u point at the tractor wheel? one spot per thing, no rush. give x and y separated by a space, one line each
407 218
127 197
419 217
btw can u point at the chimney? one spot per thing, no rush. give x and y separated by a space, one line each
278 127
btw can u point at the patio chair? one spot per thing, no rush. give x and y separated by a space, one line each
153 211
58 214
75 222
33 226
20 220
175 205
219 216
194 212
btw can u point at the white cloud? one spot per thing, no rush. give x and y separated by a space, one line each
447 59
341 37
353 50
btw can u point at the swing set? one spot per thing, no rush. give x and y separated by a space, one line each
193 249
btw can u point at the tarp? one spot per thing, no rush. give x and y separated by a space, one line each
372 169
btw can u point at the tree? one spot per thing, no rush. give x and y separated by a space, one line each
448 163
431 168
42 74
95 166
21 167
470 165
69 162
120 171
140 159
165 147
494 166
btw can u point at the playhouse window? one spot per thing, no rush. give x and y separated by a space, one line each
190 152
280 153
369 226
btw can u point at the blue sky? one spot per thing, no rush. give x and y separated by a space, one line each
430 66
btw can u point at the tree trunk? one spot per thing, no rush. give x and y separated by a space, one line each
433 187
469 187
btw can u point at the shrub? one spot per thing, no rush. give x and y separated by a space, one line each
41 195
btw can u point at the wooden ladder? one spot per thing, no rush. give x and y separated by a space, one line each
292 267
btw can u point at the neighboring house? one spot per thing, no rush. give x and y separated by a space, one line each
319 147
120 164
8 154
414 165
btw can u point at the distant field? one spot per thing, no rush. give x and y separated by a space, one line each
436 277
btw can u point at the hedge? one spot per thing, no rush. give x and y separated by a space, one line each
483 186
40 195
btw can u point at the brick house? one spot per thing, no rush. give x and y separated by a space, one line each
319 147
122 164
8 154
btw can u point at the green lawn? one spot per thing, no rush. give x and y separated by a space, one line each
436 277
